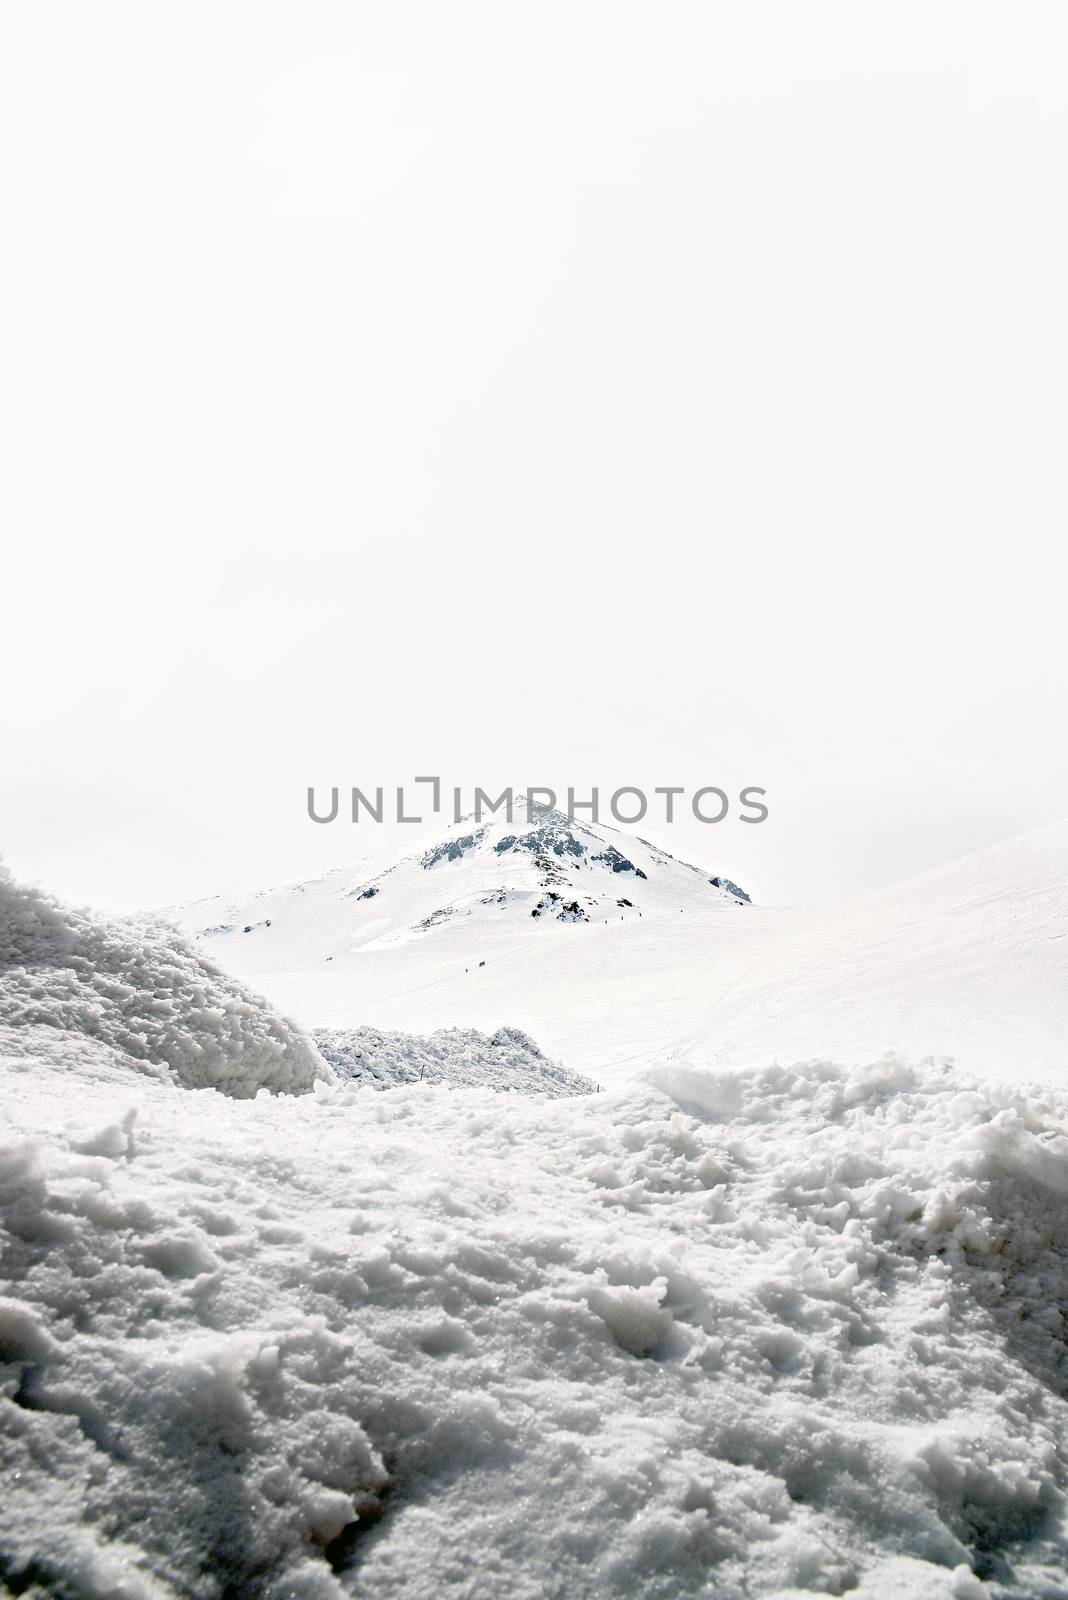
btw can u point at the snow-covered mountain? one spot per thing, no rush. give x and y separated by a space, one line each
658 959
480 876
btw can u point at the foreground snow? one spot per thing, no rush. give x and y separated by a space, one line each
784 1332
776 1332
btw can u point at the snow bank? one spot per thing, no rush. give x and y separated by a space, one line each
507 1061
140 989
787 1333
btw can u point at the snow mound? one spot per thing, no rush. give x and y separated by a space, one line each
140 989
795 1331
507 1061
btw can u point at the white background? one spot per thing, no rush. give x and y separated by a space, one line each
541 394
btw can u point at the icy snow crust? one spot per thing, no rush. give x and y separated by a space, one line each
141 989
508 1061
790 1331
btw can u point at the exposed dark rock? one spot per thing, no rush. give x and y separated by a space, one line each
731 888
552 838
617 861
452 849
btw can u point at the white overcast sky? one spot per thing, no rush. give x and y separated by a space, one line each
557 393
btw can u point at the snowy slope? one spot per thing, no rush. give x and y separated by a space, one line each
786 1333
968 961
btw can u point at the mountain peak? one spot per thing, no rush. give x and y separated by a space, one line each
485 877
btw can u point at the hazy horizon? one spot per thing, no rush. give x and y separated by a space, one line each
588 397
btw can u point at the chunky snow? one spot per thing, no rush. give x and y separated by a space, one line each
140 989
785 1332
968 961
722 1332
508 1061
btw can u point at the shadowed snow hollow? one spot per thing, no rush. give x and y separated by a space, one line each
140 990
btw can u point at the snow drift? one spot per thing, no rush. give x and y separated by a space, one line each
787 1332
507 1061
141 990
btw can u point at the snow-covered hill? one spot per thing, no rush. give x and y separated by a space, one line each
968 961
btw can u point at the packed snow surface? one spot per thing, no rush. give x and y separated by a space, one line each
781 1332
968 961
508 1061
